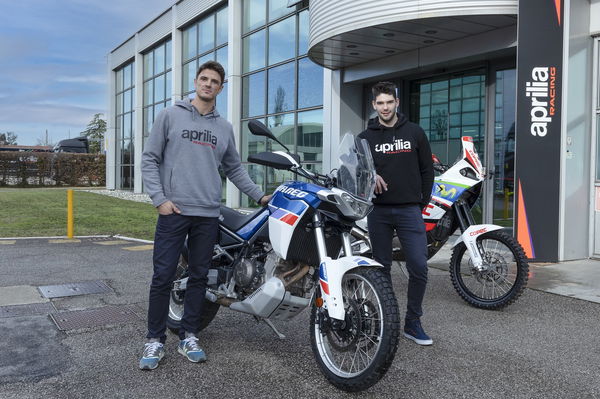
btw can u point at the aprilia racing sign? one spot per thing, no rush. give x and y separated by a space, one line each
542 91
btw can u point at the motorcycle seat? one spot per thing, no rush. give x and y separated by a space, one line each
233 219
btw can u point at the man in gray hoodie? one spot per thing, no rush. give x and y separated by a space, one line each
180 164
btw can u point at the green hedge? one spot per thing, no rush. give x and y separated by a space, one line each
37 169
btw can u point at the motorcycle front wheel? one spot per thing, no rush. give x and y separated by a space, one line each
209 310
356 353
504 275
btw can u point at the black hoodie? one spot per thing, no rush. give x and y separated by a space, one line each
402 158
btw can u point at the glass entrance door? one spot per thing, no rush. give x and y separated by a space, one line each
447 108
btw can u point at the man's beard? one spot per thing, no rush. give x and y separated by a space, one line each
205 98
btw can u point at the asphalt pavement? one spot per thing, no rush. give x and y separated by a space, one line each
543 346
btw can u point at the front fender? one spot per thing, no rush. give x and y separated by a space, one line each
470 239
331 273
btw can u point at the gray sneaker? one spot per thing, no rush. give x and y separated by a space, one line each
189 348
153 352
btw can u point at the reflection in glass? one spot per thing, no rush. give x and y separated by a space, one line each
189 74
282 127
148 92
127 76
119 104
251 144
254 14
282 40
253 94
169 54
310 84
148 120
222 59
278 8
222 102
206 34
310 135
222 24
254 51
303 32
257 175
148 65
189 43
159 88
119 80
127 126
281 95
159 59
127 101
168 86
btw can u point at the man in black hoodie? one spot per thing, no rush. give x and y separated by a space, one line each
404 168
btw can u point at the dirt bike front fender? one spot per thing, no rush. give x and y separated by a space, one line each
331 274
469 237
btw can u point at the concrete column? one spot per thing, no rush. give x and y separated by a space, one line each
176 57
331 118
110 135
138 118
234 86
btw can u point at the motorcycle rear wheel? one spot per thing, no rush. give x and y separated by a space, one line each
209 310
357 356
504 276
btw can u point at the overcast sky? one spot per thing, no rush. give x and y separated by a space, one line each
53 71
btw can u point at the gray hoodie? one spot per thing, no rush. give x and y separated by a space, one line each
182 156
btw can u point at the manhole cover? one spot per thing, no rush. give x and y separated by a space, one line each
32 309
86 287
90 318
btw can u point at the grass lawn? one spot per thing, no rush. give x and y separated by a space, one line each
34 212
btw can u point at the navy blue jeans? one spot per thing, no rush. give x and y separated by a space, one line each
171 231
408 224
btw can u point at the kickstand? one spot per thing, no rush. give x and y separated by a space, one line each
270 324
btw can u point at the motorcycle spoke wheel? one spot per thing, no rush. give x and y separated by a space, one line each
176 301
503 276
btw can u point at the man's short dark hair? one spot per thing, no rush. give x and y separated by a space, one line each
214 66
384 88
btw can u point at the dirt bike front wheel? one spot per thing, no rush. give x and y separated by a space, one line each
355 353
504 275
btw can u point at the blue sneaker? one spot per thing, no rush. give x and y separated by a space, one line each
153 352
189 348
414 331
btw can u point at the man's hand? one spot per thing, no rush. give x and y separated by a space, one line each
380 185
167 208
265 200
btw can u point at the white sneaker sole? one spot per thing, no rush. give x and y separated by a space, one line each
423 342
181 351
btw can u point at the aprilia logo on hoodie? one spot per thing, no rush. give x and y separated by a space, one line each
203 137
395 147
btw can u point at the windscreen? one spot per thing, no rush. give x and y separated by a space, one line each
356 173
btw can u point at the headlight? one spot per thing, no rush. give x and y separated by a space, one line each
354 208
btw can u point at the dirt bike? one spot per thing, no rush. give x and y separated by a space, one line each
296 254
488 267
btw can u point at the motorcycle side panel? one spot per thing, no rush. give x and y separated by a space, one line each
331 274
250 228
469 237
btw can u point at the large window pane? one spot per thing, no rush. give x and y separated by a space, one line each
278 8
159 59
254 14
127 126
148 120
127 76
189 74
159 88
253 95
257 174
148 92
222 58
254 51
119 80
189 43
148 65
127 101
206 34
251 144
310 135
282 40
310 84
281 85
168 86
303 33
282 126
222 26
222 102
169 54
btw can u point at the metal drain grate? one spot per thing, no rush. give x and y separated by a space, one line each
90 318
86 287
32 309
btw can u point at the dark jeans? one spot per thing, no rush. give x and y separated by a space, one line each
408 224
171 230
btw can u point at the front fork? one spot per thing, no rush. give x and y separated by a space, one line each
470 232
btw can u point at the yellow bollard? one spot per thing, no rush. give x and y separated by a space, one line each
69 213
